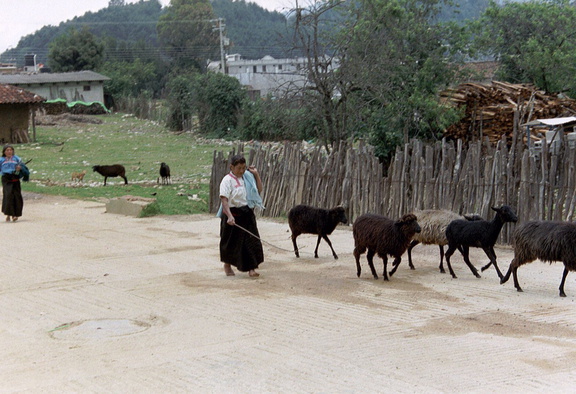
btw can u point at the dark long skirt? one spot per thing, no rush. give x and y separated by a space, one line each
12 201
237 247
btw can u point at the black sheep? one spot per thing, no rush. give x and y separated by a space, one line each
379 234
165 173
547 241
463 234
304 219
111 171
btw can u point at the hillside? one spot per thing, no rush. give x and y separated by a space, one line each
134 25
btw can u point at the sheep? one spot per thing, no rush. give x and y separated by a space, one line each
111 171
304 219
165 173
78 176
433 223
463 234
379 234
547 241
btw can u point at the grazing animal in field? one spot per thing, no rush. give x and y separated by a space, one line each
463 234
433 224
111 172
165 173
78 176
384 236
547 241
304 219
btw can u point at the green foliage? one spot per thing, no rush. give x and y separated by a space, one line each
275 120
138 145
129 79
180 102
535 42
462 10
76 50
395 98
217 100
186 33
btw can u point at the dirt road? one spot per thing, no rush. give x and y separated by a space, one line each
97 302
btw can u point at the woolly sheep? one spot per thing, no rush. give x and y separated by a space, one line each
304 219
433 223
463 234
379 234
165 173
547 241
111 171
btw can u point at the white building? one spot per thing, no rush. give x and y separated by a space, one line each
266 76
87 86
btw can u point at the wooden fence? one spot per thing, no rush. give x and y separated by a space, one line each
538 184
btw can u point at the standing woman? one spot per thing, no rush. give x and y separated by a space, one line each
239 194
12 202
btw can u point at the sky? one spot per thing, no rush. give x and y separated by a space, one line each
19 18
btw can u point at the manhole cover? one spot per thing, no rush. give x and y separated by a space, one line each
94 329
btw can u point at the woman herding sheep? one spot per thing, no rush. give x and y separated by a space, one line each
10 166
240 194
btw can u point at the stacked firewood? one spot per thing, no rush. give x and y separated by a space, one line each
489 109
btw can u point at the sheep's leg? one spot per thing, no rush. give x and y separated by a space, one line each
441 266
465 254
125 180
370 258
330 244
385 262
505 278
105 180
412 244
492 256
295 246
395 267
449 253
564 275
516 284
317 244
357 252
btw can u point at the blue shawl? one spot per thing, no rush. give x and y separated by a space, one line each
252 195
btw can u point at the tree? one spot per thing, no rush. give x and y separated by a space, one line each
398 58
186 33
75 51
217 100
327 92
534 41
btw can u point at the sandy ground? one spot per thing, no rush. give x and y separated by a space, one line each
94 302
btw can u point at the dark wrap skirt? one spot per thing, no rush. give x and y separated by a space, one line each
12 202
237 247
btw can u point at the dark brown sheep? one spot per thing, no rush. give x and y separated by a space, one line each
111 172
304 219
463 234
547 241
165 173
379 234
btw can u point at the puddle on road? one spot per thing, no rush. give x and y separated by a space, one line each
97 329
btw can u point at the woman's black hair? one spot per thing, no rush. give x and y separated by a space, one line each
4 149
237 159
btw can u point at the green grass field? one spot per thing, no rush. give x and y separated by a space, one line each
139 145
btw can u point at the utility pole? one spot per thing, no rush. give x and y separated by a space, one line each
220 27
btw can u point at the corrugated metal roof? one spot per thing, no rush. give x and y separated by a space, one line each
15 95
78 76
551 122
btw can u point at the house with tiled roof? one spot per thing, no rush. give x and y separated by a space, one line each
87 86
16 109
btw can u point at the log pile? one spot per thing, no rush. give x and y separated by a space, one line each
489 109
